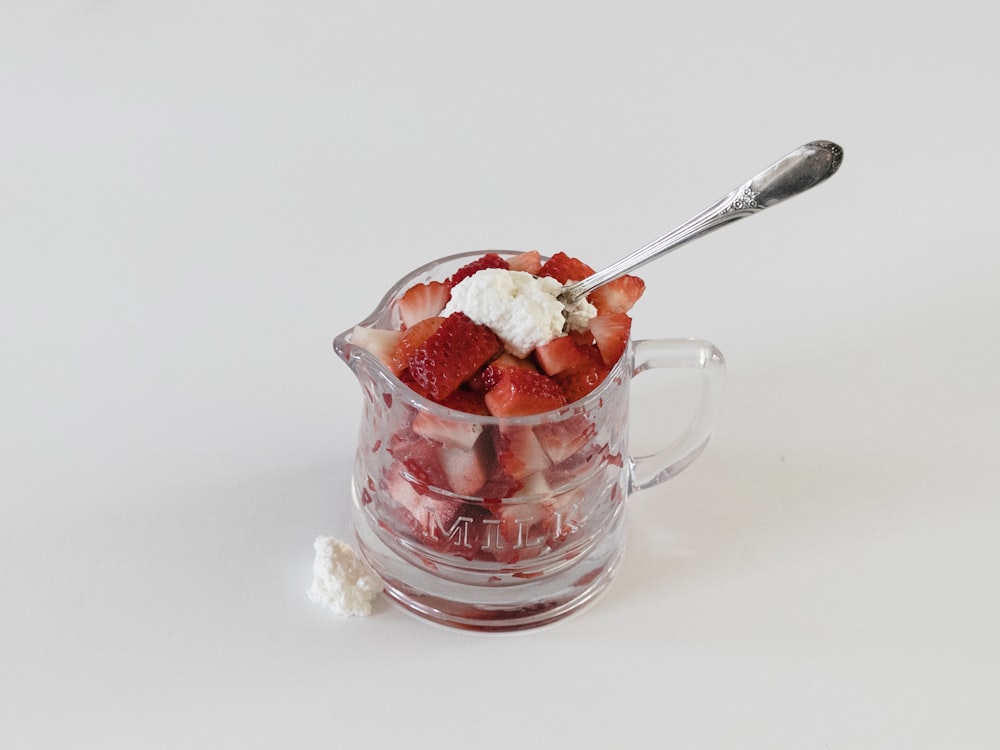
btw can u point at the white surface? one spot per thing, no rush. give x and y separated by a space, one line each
195 197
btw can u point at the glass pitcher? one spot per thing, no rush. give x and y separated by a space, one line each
500 524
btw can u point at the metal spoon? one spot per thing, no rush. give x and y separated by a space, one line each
792 174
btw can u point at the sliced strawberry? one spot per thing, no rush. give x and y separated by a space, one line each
422 301
452 433
378 341
520 392
568 514
564 268
411 339
535 486
417 455
490 260
469 401
611 333
579 381
518 452
561 438
463 468
489 376
617 296
529 262
499 485
407 377
522 531
432 517
585 464
451 355
561 353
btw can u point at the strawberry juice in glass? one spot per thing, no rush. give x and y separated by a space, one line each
495 524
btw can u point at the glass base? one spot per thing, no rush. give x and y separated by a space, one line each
495 608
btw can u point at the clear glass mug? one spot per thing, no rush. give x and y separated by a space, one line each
501 524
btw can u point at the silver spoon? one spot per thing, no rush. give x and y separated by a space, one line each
792 174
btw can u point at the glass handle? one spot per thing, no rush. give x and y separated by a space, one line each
651 354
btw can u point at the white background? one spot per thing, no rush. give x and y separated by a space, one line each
195 197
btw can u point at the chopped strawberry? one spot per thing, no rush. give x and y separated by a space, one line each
422 301
583 338
518 451
378 341
529 262
561 353
563 268
568 515
520 392
452 433
611 333
412 338
581 380
463 469
588 462
432 516
451 355
490 375
499 485
418 458
617 296
561 438
522 531
407 377
469 401
490 260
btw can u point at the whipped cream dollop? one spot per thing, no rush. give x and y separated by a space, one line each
523 310
341 580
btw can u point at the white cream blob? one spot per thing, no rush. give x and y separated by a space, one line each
521 309
341 580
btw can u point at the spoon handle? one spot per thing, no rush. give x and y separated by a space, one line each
795 173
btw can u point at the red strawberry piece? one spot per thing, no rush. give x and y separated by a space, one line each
407 377
581 380
451 355
561 353
564 268
378 341
463 468
522 532
489 376
617 296
520 392
583 338
412 338
529 262
452 433
586 463
422 301
417 457
561 438
568 514
490 260
434 519
519 453
499 485
611 333
469 401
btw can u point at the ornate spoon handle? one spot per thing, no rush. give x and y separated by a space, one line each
795 173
